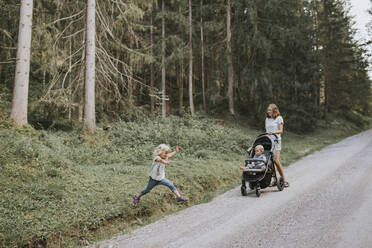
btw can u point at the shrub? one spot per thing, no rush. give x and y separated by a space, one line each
354 117
298 120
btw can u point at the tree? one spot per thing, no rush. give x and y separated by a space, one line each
90 48
152 76
202 55
337 53
164 106
191 98
230 70
21 82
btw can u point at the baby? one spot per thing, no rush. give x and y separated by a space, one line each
259 149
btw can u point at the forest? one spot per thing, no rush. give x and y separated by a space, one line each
88 89
184 57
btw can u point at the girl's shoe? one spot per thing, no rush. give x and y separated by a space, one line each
136 199
181 199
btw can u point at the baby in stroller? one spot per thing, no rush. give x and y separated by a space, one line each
259 167
258 150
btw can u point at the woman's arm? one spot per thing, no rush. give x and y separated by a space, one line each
280 130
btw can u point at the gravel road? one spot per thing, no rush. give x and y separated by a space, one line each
328 204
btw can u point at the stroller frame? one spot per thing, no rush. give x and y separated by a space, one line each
258 179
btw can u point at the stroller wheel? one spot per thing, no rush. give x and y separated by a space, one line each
243 190
280 184
258 192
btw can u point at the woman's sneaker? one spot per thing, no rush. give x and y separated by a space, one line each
181 199
136 199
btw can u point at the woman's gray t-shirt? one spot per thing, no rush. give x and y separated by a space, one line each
272 125
158 170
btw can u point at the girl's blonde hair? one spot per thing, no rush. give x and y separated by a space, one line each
260 148
160 149
275 110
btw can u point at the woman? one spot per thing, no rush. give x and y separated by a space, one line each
274 125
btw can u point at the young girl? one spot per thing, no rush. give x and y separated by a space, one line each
157 174
258 154
274 125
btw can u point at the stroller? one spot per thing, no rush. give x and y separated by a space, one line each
257 178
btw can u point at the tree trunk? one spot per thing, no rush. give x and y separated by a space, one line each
230 71
202 55
164 106
152 98
140 91
180 86
21 81
190 61
316 42
326 63
326 88
130 84
130 71
90 48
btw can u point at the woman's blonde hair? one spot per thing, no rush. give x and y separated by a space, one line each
275 110
160 149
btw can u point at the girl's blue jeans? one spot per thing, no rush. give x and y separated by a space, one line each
152 183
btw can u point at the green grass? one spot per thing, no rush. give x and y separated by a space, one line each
67 189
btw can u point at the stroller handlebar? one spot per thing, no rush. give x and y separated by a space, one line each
276 136
262 134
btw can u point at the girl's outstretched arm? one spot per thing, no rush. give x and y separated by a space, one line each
174 152
160 160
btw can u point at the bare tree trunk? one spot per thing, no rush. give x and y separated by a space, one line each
316 28
140 91
21 81
69 81
230 71
180 86
202 54
164 106
326 64
130 79
130 84
152 106
191 99
326 88
90 47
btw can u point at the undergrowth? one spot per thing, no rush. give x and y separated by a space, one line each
67 188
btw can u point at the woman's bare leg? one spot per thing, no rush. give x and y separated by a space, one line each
279 165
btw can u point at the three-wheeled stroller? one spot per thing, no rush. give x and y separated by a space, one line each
257 178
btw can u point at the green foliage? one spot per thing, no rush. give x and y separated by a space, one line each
286 52
61 186
299 120
354 117
52 181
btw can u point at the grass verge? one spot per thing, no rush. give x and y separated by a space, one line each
64 189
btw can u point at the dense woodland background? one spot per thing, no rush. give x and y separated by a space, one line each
299 54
